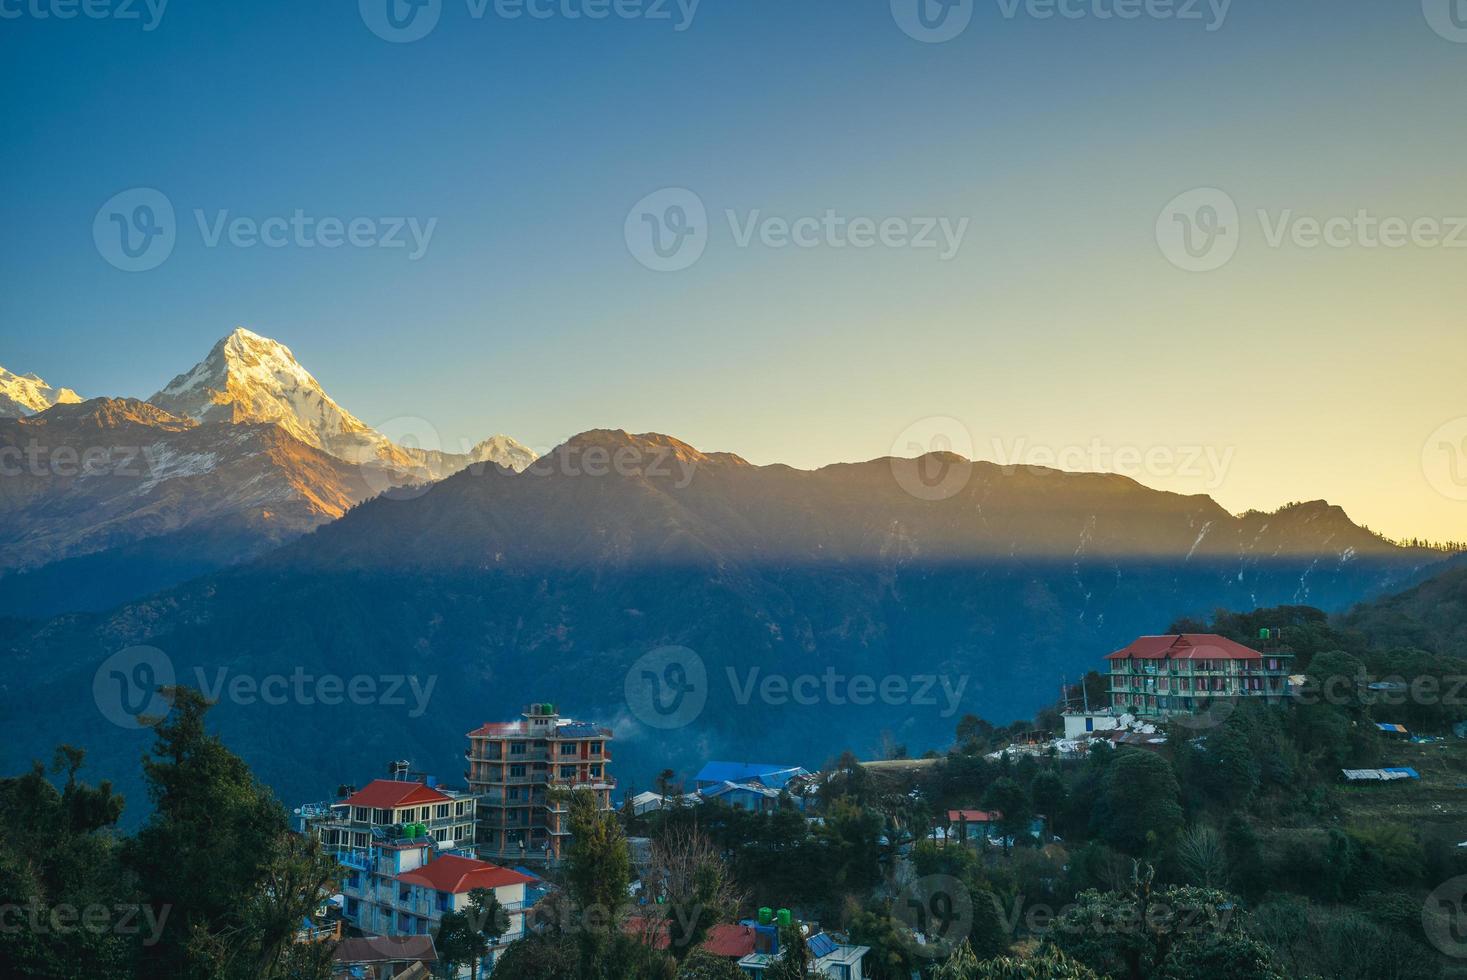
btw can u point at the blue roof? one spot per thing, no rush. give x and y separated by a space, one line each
821 945
774 775
1404 769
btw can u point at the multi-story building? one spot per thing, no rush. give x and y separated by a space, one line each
1159 676
404 887
379 811
515 770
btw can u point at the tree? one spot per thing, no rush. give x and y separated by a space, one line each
1138 809
216 862
1203 858
692 886
465 938
1012 803
1047 792
598 864
57 849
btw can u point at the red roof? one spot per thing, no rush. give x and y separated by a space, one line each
499 728
730 940
385 794
727 939
451 873
974 816
1186 646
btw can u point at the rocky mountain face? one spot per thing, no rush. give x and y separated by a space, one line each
249 378
86 484
110 499
26 394
493 588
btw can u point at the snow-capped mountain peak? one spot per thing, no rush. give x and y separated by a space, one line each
504 451
250 378
26 394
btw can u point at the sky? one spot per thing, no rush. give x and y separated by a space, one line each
804 231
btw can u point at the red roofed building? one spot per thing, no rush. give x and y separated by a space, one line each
1184 673
404 889
515 766
384 809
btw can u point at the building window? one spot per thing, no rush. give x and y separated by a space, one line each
595 748
516 748
441 810
517 772
568 748
567 772
359 814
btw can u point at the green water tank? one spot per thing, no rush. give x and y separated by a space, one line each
783 916
766 915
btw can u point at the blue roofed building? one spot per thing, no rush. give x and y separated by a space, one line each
771 775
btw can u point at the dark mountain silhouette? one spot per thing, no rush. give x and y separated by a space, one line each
549 584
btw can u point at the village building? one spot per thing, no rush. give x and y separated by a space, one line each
519 771
1186 673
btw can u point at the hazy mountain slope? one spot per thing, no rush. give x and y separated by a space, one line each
93 477
26 394
499 588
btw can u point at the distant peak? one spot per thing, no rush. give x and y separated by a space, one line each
111 412
26 394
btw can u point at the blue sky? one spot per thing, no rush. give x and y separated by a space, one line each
1059 322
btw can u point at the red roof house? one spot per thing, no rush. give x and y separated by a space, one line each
386 794
1185 646
457 875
